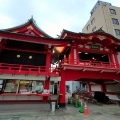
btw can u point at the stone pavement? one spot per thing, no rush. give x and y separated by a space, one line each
104 112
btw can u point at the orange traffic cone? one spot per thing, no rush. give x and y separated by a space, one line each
86 110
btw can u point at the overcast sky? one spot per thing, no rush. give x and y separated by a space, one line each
52 16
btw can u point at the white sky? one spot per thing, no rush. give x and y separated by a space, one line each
52 16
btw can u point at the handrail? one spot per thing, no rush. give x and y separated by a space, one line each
26 69
18 65
90 63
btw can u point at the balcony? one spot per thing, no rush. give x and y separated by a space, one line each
88 65
16 69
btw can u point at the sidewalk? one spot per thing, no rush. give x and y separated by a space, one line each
105 112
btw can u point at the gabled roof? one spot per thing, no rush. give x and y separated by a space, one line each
99 36
99 31
33 39
30 25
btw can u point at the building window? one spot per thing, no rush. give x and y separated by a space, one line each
117 31
88 27
94 29
92 21
112 11
115 21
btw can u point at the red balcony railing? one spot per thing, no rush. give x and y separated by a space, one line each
89 63
27 70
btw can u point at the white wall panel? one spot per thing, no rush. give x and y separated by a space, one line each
112 88
95 87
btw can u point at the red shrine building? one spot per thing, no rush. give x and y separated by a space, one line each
34 66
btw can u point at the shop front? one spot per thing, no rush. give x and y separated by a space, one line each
20 90
28 94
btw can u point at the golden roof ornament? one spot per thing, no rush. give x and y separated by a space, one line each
101 37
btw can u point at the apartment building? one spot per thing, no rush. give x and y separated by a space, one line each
105 16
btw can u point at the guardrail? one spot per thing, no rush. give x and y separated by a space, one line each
27 69
89 63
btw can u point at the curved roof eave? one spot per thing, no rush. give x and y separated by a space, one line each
31 20
87 34
43 38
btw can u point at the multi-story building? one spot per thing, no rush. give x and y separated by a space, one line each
27 55
105 16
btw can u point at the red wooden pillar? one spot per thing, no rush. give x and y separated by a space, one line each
62 90
116 59
47 83
89 88
77 55
48 58
46 86
65 59
111 59
71 56
74 55
103 88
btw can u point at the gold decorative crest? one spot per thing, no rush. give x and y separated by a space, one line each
90 37
101 37
83 38
112 41
30 27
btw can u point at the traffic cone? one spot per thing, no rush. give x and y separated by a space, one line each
86 110
76 104
81 108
